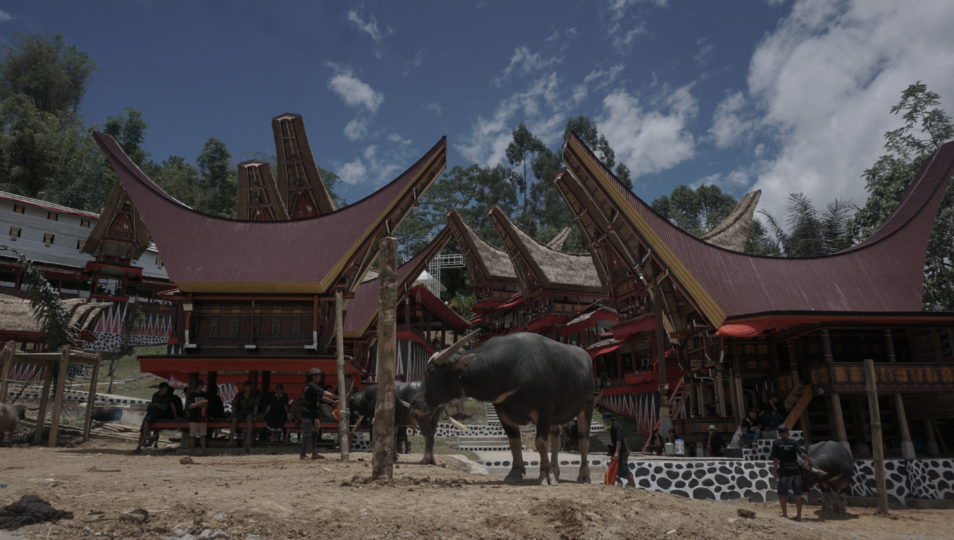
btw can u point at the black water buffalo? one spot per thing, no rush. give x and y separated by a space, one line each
529 378
832 473
409 406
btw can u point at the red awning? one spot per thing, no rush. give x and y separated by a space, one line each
163 365
634 326
589 319
743 329
544 322
486 304
515 302
408 335
131 270
603 350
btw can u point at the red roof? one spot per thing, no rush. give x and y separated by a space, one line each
204 253
882 274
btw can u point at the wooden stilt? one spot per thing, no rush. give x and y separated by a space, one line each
91 400
383 429
6 362
889 345
344 443
907 447
932 447
58 394
720 393
877 444
44 400
838 417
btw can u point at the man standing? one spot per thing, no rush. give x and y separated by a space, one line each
311 413
244 409
618 449
785 453
714 442
197 403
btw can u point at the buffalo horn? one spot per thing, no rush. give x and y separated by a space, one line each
460 426
440 358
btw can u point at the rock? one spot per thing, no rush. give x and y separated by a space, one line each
186 461
139 515
209 534
221 515
747 514
181 529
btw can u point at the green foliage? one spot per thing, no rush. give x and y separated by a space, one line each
216 179
330 179
180 179
129 130
925 126
50 74
47 307
810 234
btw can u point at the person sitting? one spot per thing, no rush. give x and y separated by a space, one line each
769 419
750 429
654 443
276 413
197 407
160 407
714 443
244 409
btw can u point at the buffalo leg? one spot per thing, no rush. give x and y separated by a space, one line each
517 469
428 429
555 451
546 470
583 441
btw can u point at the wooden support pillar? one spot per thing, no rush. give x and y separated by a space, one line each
805 425
665 420
877 444
344 441
720 394
190 385
793 363
838 418
932 447
743 410
907 447
266 381
826 345
91 400
889 345
58 394
6 362
701 401
44 400
383 429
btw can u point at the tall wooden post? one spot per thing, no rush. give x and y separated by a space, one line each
932 446
58 394
665 421
889 345
6 362
907 447
91 399
877 444
344 439
720 393
383 430
44 400
838 417
826 345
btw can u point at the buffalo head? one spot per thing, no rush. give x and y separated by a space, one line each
441 378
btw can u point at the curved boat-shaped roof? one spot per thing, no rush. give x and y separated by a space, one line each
483 260
550 268
732 232
363 308
204 253
882 274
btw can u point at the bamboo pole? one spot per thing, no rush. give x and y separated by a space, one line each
720 393
58 394
344 439
90 402
383 429
877 444
6 362
44 401
838 416
907 447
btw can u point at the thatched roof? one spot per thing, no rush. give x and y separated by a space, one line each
495 263
16 314
119 231
553 268
732 231
258 198
557 241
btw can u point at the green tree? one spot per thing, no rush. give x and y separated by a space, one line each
129 130
586 130
217 179
810 234
51 74
180 179
925 126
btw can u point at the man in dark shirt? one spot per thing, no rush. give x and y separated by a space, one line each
785 454
244 408
619 450
714 442
750 429
197 403
159 407
311 412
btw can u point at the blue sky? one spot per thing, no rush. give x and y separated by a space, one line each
778 95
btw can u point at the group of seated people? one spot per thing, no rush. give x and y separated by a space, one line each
275 408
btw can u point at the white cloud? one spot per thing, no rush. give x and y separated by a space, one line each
649 141
353 172
524 61
355 92
411 65
357 128
596 80
398 139
824 80
4 16
377 164
623 23
435 108
370 26
728 125
705 52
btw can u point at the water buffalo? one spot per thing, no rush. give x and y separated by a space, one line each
409 406
832 473
528 378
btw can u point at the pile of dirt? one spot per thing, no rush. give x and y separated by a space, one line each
28 510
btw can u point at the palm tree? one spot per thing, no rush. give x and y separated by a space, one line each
47 307
810 234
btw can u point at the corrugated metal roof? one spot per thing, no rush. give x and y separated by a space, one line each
47 205
213 254
884 273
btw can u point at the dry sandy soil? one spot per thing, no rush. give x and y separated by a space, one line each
277 496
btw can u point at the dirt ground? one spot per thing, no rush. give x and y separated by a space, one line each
278 496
